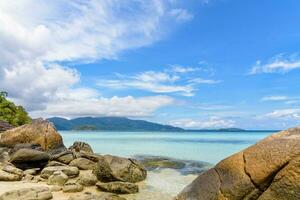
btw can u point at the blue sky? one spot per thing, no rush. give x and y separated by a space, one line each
193 64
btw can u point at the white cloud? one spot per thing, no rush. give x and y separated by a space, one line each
167 81
212 122
37 37
281 63
86 103
274 98
182 69
284 114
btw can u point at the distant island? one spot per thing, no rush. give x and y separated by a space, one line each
109 124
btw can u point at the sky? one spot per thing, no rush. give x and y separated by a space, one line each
196 64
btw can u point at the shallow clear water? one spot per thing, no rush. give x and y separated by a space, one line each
164 184
200 146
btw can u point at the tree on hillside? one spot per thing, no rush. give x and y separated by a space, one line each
9 112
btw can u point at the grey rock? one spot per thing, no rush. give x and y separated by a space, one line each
81 146
29 158
70 171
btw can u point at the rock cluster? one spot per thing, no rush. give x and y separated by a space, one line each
35 153
268 170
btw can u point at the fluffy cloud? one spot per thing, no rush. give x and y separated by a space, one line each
84 102
167 81
212 122
37 37
284 114
281 63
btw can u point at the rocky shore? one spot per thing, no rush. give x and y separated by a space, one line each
36 165
35 156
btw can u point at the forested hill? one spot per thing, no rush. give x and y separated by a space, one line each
109 124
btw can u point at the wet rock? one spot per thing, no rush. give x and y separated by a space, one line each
83 163
113 168
39 132
118 187
70 171
29 158
36 193
72 187
57 178
81 146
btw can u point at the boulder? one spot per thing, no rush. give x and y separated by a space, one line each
113 168
33 171
56 188
87 179
118 187
81 146
36 193
268 170
71 172
83 163
28 178
39 132
57 178
29 158
72 187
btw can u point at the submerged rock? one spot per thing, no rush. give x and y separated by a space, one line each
118 187
112 168
268 170
36 193
39 132
29 158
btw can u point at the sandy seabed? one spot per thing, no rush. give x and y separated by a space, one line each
161 184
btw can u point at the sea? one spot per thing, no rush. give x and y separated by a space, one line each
203 148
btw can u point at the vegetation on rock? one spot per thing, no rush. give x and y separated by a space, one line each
9 112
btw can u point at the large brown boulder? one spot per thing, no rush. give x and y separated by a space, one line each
39 132
268 170
112 168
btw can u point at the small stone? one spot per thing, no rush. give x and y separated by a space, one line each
72 187
33 171
57 178
56 188
87 179
68 170
28 178
118 187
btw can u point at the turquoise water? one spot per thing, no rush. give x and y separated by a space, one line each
210 147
